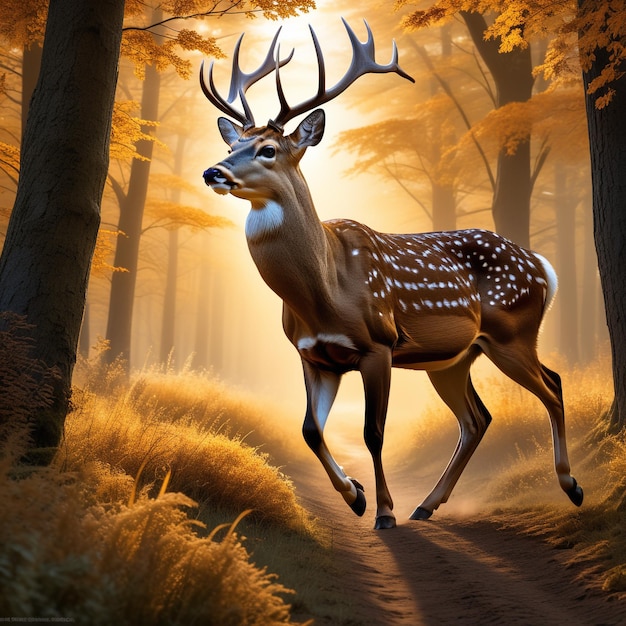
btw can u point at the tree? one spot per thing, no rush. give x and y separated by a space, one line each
588 35
602 30
52 232
414 149
513 77
512 73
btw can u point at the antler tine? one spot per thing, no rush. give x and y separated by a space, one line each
286 112
363 62
214 97
240 82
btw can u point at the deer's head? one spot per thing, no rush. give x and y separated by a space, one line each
261 159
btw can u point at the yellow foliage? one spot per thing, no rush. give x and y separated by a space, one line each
423 142
172 215
142 47
105 247
575 35
557 115
127 130
272 10
23 22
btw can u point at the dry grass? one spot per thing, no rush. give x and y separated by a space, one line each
71 556
512 472
124 434
112 534
204 400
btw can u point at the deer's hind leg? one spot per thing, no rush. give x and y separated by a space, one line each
454 385
519 362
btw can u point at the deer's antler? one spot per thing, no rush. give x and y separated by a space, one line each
240 82
363 62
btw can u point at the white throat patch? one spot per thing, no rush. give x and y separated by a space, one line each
261 222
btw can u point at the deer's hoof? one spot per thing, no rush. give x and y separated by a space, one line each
575 493
384 522
358 506
420 513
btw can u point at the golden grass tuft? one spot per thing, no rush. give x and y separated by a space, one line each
125 433
70 556
191 396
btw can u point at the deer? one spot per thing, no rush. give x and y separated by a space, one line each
355 299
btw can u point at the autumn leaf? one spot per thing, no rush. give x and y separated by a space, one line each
126 130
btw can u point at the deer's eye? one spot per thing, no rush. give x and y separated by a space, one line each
268 152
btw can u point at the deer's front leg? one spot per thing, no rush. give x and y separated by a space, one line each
321 390
376 373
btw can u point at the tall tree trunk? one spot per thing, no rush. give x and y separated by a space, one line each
168 327
119 324
51 236
443 193
168 324
512 75
444 207
565 208
203 319
607 140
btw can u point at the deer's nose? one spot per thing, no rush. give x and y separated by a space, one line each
213 175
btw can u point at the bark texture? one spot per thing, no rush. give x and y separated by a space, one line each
44 266
607 140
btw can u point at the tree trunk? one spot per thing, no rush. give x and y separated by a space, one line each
51 236
607 140
119 325
512 75
203 320
444 207
168 327
168 324
565 210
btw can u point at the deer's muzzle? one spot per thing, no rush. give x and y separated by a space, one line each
218 180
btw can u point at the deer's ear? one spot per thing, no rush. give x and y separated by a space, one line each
229 130
310 130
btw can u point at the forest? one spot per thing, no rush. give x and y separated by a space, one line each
149 401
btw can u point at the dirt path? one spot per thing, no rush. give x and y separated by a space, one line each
447 570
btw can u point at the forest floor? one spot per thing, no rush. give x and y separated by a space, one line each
460 567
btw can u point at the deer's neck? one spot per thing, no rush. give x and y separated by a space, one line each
289 247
